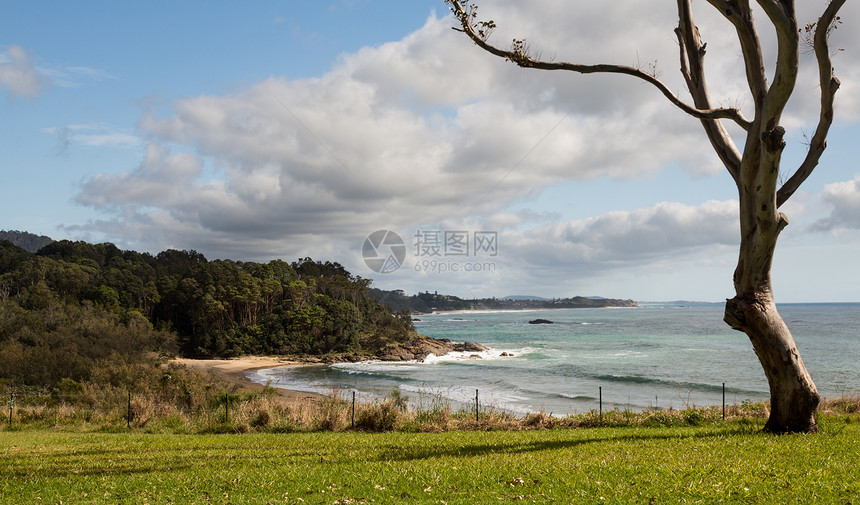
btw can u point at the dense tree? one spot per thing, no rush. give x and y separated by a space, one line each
74 305
45 342
755 170
77 251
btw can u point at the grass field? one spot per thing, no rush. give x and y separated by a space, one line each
728 462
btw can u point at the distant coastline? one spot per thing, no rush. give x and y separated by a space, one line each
428 303
536 309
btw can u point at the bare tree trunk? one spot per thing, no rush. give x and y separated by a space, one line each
793 396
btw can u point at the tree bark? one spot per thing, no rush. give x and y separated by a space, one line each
793 396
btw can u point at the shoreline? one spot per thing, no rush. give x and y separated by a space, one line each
233 370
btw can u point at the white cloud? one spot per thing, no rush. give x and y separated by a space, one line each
614 250
18 74
92 135
75 76
844 200
159 180
366 145
429 129
666 230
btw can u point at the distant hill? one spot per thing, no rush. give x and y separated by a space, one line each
430 302
680 302
525 297
25 240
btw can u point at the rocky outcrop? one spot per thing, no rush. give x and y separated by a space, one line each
415 349
418 348
540 321
469 347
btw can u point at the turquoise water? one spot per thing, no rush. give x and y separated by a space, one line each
657 355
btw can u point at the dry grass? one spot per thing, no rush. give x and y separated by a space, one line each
266 411
845 404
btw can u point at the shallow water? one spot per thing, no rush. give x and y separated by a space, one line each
657 355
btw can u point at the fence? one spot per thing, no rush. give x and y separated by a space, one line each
268 411
128 407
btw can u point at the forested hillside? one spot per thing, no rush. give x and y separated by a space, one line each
72 305
29 241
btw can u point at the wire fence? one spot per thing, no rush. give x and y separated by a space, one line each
121 406
267 410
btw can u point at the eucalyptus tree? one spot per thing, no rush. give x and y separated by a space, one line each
755 168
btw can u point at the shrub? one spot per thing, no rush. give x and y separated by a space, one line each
538 420
262 420
331 414
377 417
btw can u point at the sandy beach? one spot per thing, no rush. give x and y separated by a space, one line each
233 371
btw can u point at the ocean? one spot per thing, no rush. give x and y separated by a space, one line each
655 356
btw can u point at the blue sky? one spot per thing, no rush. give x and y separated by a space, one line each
269 130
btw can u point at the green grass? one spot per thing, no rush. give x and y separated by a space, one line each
717 463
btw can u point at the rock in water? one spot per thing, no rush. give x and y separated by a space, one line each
540 321
469 347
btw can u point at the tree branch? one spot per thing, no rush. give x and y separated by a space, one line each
781 14
739 13
693 70
829 85
519 56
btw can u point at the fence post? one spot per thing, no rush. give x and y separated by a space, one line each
128 412
600 396
226 408
724 401
477 408
352 425
11 404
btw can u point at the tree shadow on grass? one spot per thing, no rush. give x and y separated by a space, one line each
125 458
500 447
59 470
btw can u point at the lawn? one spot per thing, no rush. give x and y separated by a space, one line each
728 462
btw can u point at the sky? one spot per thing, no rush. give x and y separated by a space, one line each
361 131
